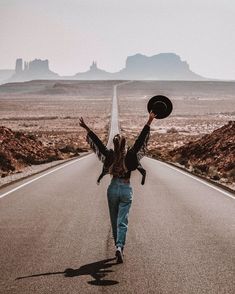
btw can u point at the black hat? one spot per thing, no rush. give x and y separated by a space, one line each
160 105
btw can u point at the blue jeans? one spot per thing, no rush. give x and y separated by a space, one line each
119 201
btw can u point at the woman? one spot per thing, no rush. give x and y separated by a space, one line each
119 163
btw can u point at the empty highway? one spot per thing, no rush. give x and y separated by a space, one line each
55 233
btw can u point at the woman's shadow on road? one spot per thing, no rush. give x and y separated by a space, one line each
97 270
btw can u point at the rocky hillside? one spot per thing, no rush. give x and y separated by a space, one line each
213 155
18 150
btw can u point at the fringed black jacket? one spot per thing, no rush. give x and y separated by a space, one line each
132 158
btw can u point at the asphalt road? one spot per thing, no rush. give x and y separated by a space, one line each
55 234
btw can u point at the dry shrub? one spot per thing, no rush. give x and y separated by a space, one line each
172 131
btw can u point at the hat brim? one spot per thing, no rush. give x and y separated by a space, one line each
160 105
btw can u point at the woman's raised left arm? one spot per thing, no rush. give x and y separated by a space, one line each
95 143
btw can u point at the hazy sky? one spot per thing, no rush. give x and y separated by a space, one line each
72 33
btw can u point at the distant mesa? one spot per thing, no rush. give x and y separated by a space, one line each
32 70
163 66
94 73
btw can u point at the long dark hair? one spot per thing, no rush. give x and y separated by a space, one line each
118 167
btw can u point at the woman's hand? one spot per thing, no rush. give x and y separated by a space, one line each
83 125
152 115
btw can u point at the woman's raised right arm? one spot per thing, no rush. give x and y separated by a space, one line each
152 115
142 140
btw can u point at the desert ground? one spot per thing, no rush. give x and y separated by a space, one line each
198 109
50 110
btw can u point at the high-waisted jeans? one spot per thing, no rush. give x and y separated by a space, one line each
119 199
